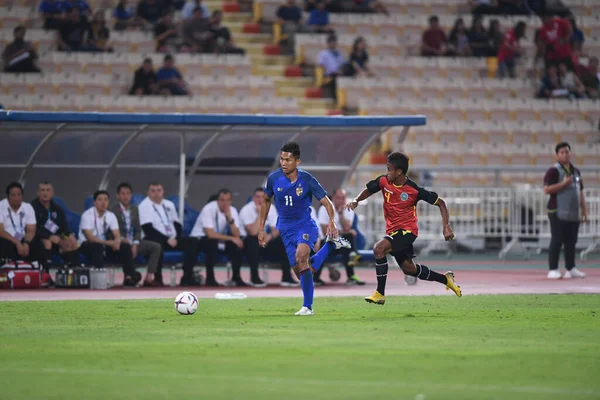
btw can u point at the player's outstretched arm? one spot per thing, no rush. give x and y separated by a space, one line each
262 219
448 233
332 229
354 202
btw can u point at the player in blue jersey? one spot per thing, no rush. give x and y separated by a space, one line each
293 190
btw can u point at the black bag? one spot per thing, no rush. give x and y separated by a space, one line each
74 278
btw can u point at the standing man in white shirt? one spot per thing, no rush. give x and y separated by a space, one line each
99 236
18 227
217 227
131 232
343 219
331 60
160 224
275 248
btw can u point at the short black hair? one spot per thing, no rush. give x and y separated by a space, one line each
154 183
124 185
291 147
223 191
259 189
434 18
168 57
562 145
19 28
399 161
13 185
100 192
147 60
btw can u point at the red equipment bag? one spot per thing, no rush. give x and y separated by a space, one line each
20 275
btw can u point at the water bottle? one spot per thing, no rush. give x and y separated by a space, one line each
230 296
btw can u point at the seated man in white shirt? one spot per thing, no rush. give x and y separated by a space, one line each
343 219
99 236
249 231
217 227
18 227
160 224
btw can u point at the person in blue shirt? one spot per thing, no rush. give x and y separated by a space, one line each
51 11
319 19
170 80
293 189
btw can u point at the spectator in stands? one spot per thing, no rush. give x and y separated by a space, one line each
590 77
332 61
196 33
124 16
566 208
249 232
84 9
222 42
571 82
434 41
74 34
166 35
150 11
99 236
358 63
145 81
289 16
459 40
319 19
51 11
479 7
552 87
369 6
577 38
19 56
343 219
128 217
52 227
554 41
496 36
160 224
170 80
479 38
18 227
190 7
510 51
99 33
217 228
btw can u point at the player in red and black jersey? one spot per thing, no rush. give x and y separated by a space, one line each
400 197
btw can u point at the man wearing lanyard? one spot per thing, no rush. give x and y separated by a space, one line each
217 228
52 227
131 232
17 227
160 224
566 207
99 235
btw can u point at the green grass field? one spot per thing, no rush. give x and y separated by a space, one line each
426 348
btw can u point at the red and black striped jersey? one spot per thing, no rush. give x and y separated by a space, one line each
400 203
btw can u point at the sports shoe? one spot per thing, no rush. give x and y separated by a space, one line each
289 282
354 280
451 285
376 298
339 242
354 259
319 282
257 282
554 274
305 311
237 282
573 273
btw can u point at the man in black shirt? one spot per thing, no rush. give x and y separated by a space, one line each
144 81
52 226
221 36
74 34
19 55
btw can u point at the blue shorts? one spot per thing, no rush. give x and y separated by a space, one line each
308 234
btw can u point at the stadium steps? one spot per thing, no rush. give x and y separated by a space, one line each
250 38
259 60
231 17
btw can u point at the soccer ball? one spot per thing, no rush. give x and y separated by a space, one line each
186 303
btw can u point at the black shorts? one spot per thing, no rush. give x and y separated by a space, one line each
402 245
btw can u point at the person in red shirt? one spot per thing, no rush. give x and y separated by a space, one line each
554 41
434 42
400 197
510 50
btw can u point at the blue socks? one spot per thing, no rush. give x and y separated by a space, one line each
317 260
308 287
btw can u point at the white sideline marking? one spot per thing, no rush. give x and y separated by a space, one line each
292 381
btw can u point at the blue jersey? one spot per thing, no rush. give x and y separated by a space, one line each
293 200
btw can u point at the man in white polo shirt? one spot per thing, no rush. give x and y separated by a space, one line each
217 227
99 236
343 219
160 224
18 227
275 248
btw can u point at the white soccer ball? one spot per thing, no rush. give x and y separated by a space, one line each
186 303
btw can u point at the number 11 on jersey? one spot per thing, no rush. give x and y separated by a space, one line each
289 201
